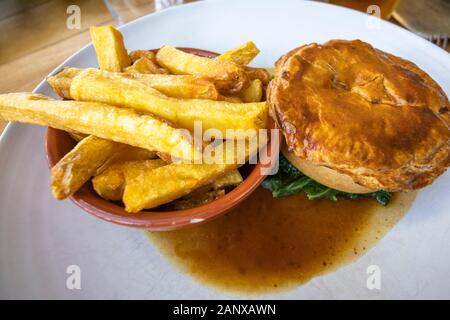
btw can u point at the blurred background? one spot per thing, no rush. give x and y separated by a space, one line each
37 35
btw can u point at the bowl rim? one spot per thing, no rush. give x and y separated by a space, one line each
89 201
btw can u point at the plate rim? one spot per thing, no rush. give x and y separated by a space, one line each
11 128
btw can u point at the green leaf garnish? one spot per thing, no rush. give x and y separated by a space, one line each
289 180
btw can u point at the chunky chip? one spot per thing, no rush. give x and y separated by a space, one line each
145 65
110 49
152 188
242 55
176 86
104 121
80 164
229 77
96 85
110 183
60 82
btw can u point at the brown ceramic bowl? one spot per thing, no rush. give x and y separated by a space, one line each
58 143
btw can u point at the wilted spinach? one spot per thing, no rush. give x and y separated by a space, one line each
289 180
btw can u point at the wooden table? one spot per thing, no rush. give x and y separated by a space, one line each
34 37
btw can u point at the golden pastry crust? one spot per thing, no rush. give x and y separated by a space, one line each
363 112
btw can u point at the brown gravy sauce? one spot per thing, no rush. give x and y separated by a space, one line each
269 244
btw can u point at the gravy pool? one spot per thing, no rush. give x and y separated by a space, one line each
270 244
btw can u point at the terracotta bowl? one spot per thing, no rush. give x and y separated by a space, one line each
59 143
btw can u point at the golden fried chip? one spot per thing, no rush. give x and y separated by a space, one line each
150 189
60 82
155 187
177 86
80 164
111 182
96 85
104 121
232 99
129 153
242 55
110 49
111 55
229 77
137 54
254 92
145 65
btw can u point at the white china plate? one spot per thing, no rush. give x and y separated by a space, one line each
40 237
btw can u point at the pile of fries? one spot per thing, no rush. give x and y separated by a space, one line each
127 116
